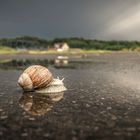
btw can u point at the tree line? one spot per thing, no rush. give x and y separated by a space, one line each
28 42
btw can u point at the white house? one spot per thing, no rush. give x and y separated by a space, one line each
61 47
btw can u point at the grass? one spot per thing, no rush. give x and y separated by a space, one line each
95 51
7 50
4 61
72 51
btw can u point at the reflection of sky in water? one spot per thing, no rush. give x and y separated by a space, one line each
39 104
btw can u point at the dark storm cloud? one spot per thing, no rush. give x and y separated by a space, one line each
69 18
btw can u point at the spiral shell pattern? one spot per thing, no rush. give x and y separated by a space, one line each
35 77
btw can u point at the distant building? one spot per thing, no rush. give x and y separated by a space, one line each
61 47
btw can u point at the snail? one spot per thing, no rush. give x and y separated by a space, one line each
39 79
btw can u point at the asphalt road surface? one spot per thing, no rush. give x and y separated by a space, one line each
102 102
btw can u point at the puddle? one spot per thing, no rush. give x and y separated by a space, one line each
21 64
38 104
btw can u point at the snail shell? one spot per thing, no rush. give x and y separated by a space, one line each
35 77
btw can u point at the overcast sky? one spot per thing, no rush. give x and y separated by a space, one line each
94 19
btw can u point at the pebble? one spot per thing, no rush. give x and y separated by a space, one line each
109 108
46 135
113 117
82 90
131 129
117 133
1 133
129 134
103 112
11 102
4 117
101 103
96 128
87 105
138 128
26 116
73 132
31 119
74 138
24 134
1 93
73 102
138 120
111 124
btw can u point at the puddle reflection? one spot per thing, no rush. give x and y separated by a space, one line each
39 104
22 64
60 62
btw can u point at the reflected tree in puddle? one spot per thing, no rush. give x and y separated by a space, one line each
21 64
60 62
39 104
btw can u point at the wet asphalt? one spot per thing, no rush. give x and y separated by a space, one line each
102 102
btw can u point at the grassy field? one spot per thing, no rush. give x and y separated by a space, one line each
9 50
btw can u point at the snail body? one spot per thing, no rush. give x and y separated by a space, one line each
56 85
40 79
